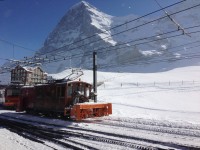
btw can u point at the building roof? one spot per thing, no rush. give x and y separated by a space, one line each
30 69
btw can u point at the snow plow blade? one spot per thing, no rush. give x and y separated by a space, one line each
82 111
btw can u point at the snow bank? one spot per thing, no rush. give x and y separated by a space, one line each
172 95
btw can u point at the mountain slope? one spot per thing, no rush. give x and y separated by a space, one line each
80 22
84 28
142 45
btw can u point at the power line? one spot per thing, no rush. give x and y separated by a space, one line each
79 55
4 58
150 38
137 18
116 33
40 53
16 45
174 21
60 59
168 49
149 14
98 50
149 62
127 29
143 24
170 57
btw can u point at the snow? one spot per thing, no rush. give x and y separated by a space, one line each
172 95
160 102
165 94
84 21
12 141
150 52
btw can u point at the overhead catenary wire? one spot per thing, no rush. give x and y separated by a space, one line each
17 45
4 58
173 20
98 50
146 23
168 53
147 62
78 56
142 39
136 61
143 24
134 19
139 62
120 32
182 56
169 57
117 26
150 62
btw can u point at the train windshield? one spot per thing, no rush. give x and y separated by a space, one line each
13 92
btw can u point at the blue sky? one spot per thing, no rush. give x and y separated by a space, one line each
28 22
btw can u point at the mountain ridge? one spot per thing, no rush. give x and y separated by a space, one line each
84 29
94 22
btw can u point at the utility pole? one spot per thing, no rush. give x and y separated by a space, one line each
95 75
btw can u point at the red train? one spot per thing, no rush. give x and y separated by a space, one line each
72 99
12 96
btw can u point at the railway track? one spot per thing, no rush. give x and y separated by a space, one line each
40 135
176 131
32 133
153 123
68 137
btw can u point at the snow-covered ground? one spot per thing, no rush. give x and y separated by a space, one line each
162 106
172 95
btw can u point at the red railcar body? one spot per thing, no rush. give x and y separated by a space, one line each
52 97
62 98
12 96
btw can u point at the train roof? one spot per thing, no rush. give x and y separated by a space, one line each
64 82
46 84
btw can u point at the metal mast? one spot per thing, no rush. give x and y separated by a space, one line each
95 75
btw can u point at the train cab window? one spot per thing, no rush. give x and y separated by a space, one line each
79 87
13 92
39 92
9 92
60 92
87 92
69 90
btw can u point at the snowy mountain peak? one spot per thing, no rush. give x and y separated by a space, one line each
116 38
81 5
81 21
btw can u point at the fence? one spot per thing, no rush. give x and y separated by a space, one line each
156 84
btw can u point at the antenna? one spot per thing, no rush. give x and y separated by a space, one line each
174 21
